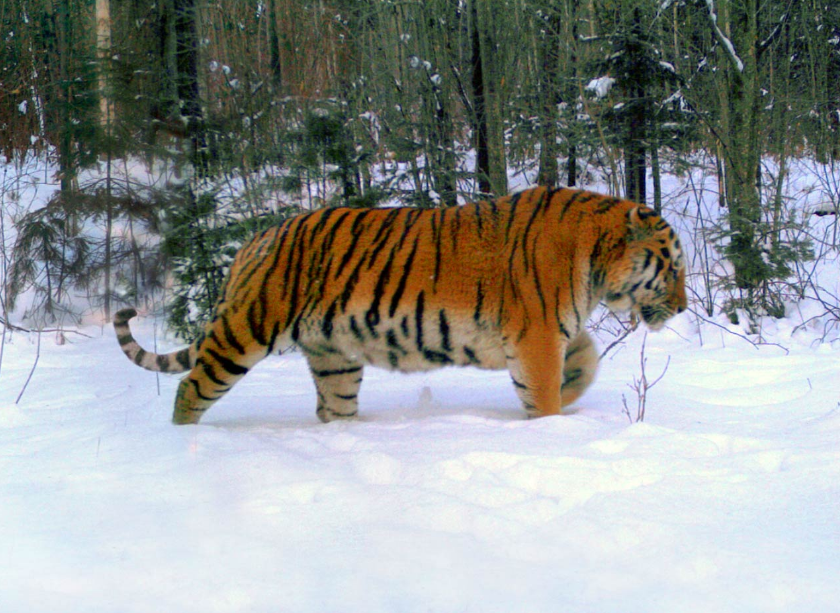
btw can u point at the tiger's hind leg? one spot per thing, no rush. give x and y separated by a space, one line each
579 367
337 382
223 358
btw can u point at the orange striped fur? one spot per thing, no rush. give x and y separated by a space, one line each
507 284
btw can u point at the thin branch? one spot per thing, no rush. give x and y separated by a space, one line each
31 372
741 336
774 34
620 339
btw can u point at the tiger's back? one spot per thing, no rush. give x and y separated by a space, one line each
504 284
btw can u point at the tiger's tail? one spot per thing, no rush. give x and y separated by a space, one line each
175 362
579 368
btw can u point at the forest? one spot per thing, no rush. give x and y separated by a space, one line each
163 134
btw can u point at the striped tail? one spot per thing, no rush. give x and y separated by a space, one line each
175 362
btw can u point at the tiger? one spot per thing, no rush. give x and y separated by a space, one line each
498 284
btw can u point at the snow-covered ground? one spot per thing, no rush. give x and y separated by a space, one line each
441 498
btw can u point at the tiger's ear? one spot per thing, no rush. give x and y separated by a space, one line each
639 226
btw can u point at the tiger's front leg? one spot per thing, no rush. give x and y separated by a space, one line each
337 382
535 363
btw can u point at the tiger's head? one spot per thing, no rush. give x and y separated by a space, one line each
648 279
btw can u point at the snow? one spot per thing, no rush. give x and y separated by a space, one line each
601 86
442 497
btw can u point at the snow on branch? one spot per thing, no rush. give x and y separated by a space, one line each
724 40
601 86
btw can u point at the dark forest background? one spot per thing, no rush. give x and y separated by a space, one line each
241 113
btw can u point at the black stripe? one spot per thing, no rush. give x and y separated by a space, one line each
646 213
606 205
202 396
395 299
571 376
324 246
514 201
295 334
255 320
372 316
350 251
211 374
564 331
516 383
392 341
436 357
126 339
275 332
229 365
382 236
528 226
230 337
138 357
294 240
346 396
573 300
248 261
473 359
538 288
511 272
350 285
479 301
322 222
332 373
294 263
327 321
354 328
443 326
418 319
183 358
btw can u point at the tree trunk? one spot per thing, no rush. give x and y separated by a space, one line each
549 88
635 135
740 100
106 116
482 153
189 98
274 45
490 140
103 52
572 94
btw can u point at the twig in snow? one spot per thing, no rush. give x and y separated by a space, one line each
641 386
31 372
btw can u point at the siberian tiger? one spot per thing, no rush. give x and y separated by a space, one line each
502 284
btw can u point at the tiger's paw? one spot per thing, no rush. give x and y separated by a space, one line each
326 415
